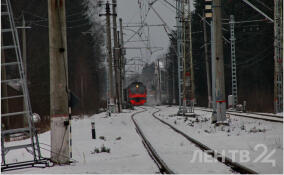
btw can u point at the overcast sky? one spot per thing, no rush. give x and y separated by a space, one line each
129 11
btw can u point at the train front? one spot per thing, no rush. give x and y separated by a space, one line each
137 94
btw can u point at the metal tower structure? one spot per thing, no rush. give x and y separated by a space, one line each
278 53
188 73
233 60
184 55
15 78
179 18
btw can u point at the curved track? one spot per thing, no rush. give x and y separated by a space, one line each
164 169
235 166
162 165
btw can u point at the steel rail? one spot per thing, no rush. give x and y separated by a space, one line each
272 118
227 161
152 152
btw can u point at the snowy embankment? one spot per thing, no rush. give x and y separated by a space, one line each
256 144
117 133
175 150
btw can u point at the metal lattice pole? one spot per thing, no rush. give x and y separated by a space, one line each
179 49
278 52
233 60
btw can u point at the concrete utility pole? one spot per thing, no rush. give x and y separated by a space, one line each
60 124
173 84
207 64
192 84
219 59
159 82
115 55
209 10
82 95
213 67
119 70
110 74
122 60
278 53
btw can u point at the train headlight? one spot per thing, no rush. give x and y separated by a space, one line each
137 86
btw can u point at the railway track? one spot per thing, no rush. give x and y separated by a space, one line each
164 169
254 115
236 167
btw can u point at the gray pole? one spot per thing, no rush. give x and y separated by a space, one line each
119 70
278 52
110 74
115 55
179 54
82 96
233 61
174 93
122 61
159 81
214 113
207 64
191 61
220 78
58 82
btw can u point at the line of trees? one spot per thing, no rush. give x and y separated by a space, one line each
85 53
254 54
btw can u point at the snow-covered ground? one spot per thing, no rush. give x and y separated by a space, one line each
127 153
176 151
256 143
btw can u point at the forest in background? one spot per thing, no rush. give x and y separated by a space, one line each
254 53
85 53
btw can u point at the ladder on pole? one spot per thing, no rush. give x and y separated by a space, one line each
15 79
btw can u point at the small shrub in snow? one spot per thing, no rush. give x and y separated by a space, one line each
278 143
102 138
197 120
255 130
118 138
207 131
175 122
190 124
243 127
96 150
105 149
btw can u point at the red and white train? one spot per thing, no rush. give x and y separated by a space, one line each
136 94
